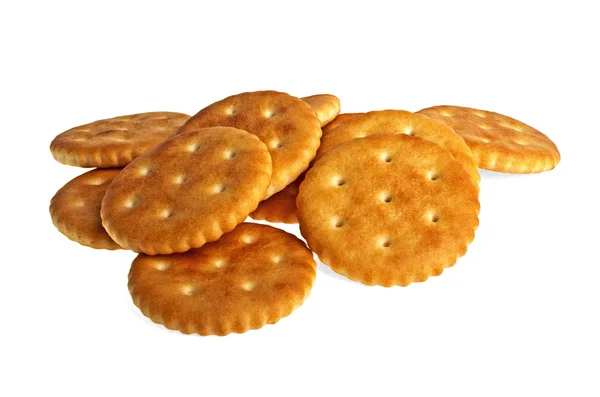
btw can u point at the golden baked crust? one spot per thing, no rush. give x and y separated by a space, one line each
401 122
286 124
115 142
326 106
187 191
75 209
388 209
252 276
498 142
280 207
337 121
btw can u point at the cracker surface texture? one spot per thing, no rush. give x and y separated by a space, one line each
337 121
252 276
187 191
115 142
326 106
388 209
498 142
75 209
286 124
406 123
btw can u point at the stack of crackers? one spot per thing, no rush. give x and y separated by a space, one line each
384 198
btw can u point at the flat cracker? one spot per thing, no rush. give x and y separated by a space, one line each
286 124
75 209
280 207
326 106
187 191
252 276
401 122
498 142
337 121
388 209
115 142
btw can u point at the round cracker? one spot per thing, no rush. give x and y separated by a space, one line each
326 106
286 124
115 142
75 209
187 191
252 276
337 121
402 122
388 209
498 142
280 207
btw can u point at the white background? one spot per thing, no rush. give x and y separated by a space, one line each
517 316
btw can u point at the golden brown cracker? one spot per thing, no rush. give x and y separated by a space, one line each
187 191
326 106
75 209
252 276
115 142
388 209
286 124
402 122
498 142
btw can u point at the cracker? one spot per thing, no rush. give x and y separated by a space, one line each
401 122
326 106
337 121
286 124
252 276
280 207
187 191
388 209
75 209
498 142
115 142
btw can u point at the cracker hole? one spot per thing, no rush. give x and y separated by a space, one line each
445 113
132 202
361 134
434 176
193 147
408 130
276 145
482 139
220 263
386 158
386 243
231 111
434 218
480 114
230 154
484 127
179 179
145 171
162 266
219 188
187 289
167 213
248 239
96 181
337 222
78 203
248 286
386 197
339 181
277 258
269 113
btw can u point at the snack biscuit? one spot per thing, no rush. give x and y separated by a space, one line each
286 124
388 209
75 209
326 106
115 142
498 142
252 276
402 122
187 191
